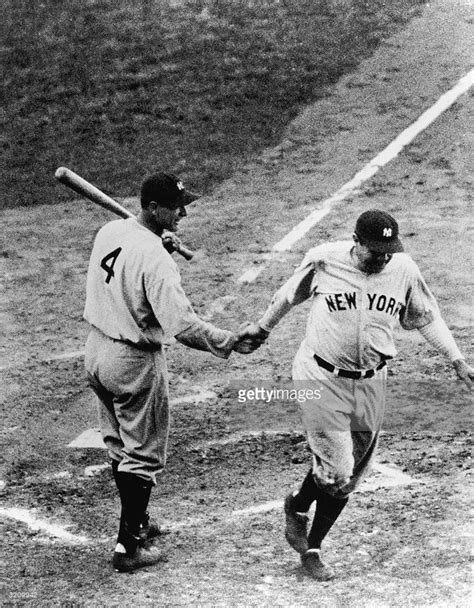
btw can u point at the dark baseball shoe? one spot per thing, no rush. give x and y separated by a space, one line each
315 567
296 532
146 555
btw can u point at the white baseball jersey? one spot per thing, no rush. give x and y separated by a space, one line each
354 314
134 291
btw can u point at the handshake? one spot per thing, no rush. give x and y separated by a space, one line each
250 337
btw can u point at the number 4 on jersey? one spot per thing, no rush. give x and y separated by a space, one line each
109 268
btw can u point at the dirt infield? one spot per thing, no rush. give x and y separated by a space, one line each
399 545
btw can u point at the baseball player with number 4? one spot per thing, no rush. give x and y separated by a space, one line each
360 290
135 305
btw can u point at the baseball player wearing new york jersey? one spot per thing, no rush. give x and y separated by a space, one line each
359 290
135 304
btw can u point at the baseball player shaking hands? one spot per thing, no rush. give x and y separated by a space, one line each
360 290
135 304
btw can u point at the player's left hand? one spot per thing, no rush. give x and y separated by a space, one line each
464 372
170 242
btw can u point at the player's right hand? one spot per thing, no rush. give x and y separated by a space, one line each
171 242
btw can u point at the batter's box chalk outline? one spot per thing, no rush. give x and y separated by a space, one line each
54 530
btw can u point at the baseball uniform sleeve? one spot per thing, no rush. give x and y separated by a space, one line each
438 334
299 287
178 319
205 336
421 307
170 305
278 308
302 284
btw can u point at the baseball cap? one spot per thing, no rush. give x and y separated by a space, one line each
167 190
379 231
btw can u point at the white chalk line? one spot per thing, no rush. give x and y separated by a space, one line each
55 530
379 161
202 396
74 354
240 437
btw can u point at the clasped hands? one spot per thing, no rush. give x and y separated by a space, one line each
250 337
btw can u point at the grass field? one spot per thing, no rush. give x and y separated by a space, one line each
114 89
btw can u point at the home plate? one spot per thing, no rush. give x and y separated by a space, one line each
91 438
386 476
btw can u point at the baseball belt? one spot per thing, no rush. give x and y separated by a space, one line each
147 348
346 373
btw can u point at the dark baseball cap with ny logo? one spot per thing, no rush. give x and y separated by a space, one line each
378 230
167 190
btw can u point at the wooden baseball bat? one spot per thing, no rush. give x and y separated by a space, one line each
84 188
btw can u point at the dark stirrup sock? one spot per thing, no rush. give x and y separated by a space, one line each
306 495
134 496
328 509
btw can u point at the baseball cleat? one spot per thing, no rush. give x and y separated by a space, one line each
296 527
315 567
148 555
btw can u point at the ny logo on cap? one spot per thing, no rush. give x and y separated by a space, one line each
387 232
180 185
